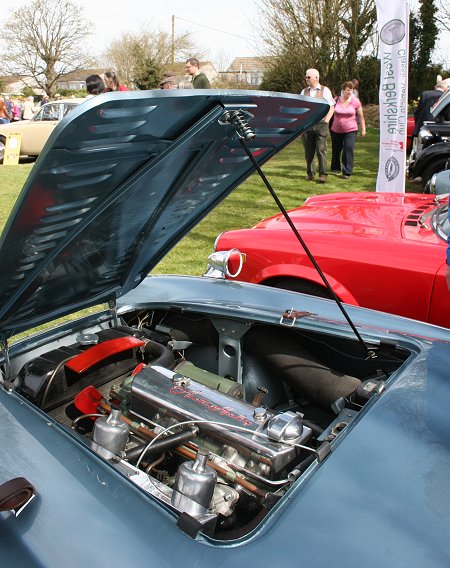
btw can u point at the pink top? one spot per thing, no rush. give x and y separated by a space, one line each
344 118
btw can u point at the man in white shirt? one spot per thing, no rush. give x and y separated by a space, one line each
315 139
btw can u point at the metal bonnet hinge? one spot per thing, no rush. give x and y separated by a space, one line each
112 303
239 119
4 350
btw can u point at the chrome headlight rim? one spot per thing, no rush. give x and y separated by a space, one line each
423 136
433 183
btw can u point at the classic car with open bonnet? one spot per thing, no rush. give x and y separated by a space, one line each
195 421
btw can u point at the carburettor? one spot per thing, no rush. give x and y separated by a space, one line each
231 436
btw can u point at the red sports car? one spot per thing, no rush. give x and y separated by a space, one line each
409 130
384 251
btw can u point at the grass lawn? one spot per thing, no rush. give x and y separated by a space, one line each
247 205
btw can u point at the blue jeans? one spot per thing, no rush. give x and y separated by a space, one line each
343 144
4 120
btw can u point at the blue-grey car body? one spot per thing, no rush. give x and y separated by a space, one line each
381 497
440 183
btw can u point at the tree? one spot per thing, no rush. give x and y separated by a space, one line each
368 69
359 25
423 33
284 73
130 54
326 34
147 71
42 40
444 15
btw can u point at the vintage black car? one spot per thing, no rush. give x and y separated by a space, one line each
431 148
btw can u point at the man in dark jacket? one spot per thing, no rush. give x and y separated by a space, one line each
426 101
199 79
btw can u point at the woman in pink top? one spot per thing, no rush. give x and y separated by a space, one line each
347 114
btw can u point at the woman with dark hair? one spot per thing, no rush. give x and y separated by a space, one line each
95 85
112 82
348 114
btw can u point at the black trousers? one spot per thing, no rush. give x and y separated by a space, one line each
342 145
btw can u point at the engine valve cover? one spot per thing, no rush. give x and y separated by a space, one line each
156 390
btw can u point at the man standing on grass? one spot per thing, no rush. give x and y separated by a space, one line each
315 139
199 79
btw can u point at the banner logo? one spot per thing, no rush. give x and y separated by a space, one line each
393 32
391 168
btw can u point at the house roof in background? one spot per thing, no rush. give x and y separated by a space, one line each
179 67
13 84
9 79
178 70
82 74
247 64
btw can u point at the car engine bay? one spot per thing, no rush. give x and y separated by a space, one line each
216 418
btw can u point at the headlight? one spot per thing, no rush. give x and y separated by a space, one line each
424 136
441 183
225 263
433 184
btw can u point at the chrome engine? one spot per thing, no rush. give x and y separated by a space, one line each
226 439
219 450
256 438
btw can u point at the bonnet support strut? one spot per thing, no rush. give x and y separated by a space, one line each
245 133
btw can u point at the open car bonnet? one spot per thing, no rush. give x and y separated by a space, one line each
121 180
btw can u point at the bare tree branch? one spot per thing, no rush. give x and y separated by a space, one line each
126 53
42 40
443 17
327 34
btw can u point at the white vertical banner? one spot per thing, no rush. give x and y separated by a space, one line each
393 32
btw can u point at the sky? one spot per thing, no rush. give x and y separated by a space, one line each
221 30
